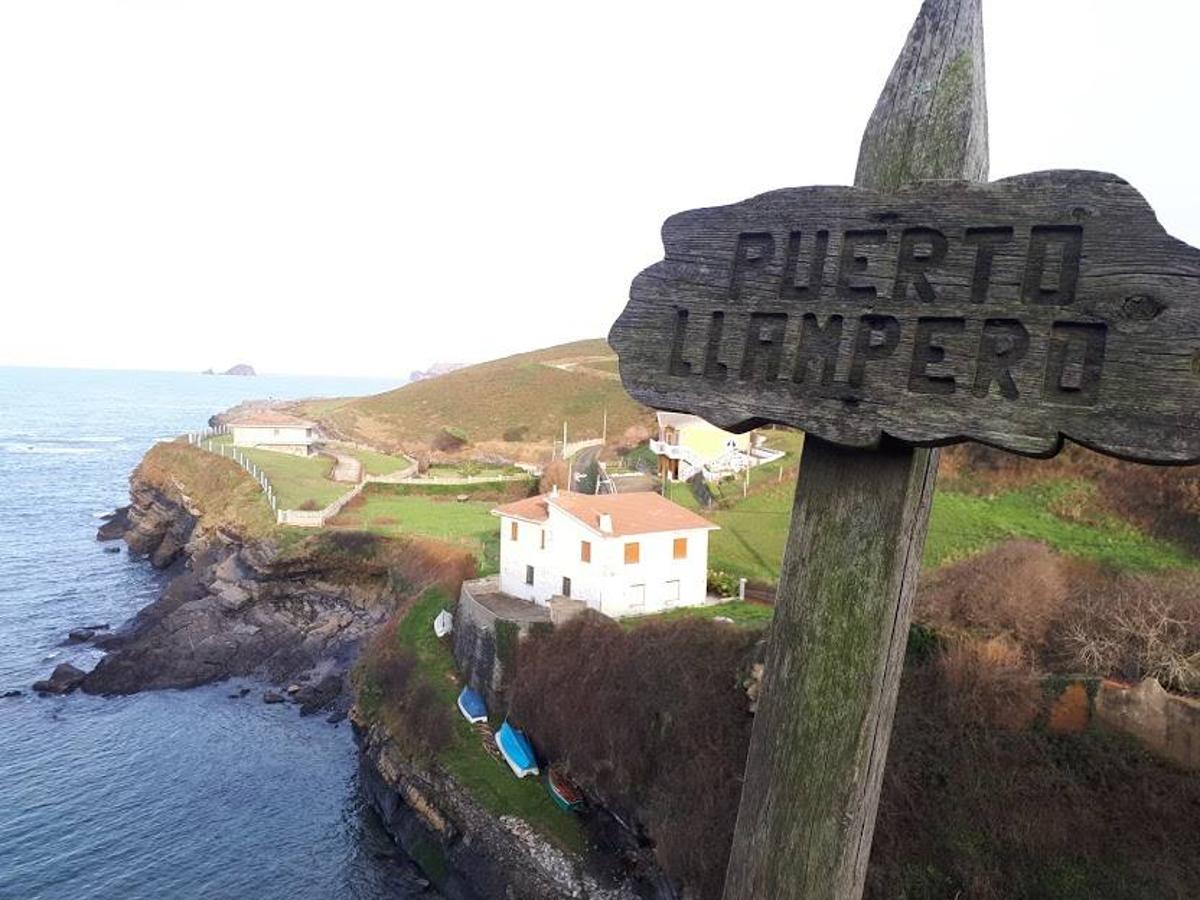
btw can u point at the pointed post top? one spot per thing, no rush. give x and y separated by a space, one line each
930 122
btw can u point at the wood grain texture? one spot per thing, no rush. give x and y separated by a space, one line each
836 648
832 670
1014 313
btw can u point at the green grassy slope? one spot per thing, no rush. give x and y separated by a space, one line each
754 530
522 398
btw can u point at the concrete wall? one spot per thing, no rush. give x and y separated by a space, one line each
1167 724
284 439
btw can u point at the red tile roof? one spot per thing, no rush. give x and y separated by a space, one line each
639 513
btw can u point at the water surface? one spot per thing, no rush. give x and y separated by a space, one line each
166 794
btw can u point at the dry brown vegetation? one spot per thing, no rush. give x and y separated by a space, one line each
979 809
653 720
226 496
1069 616
522 400
976 803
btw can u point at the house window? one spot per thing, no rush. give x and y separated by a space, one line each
633 553
566 591
680 551
543 532
512 531
585 551
529 574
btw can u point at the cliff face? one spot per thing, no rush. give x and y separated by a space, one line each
469 852
235 607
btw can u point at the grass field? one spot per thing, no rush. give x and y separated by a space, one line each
469 523
298 480
746 615
489 781
376 463
753 531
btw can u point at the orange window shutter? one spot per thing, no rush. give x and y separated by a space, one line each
681 548
585 551
512 532
633 552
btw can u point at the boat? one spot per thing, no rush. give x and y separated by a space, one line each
471 705
443 624
563 791
516 750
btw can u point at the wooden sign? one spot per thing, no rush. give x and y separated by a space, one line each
921 307
1014 313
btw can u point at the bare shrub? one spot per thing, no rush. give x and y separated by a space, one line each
309 506
1137 626
970 809
653 721
1018 588
556 474
989 682
449 439
631 437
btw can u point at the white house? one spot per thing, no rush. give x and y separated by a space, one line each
621 554
271 430
688 444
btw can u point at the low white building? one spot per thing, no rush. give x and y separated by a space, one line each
270 430
621 554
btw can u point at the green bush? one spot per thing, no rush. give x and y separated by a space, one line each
722 584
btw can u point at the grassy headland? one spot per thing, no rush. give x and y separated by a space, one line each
518 400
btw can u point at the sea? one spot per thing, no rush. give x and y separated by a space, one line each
167 794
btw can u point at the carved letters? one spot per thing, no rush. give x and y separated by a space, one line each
1014 313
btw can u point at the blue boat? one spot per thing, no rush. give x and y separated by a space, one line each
471 705
516 750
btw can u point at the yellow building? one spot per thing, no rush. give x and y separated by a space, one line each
688 444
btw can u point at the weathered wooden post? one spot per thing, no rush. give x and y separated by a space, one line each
919 308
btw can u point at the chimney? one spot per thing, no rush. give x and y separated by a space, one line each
606 523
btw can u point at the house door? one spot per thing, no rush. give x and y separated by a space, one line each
635 599
566 591
671 595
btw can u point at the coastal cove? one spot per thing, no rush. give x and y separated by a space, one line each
163 793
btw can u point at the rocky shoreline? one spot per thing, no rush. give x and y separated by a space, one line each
471 853
234 608
231 609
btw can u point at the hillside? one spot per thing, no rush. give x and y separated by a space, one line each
520 402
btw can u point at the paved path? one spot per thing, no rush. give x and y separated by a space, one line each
348 469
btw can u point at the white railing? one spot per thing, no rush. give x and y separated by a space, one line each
205 441
677 451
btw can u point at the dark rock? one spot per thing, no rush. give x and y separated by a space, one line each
337 716
114 526
7 694
167 551
272 697
236 610
112 549
64 679
315 697
80 635
103 626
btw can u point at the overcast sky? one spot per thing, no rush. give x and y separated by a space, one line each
363 189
